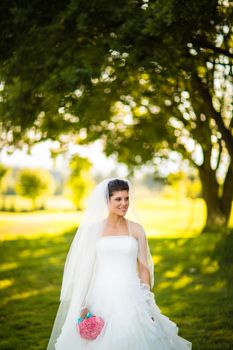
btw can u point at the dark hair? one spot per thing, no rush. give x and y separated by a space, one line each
117 185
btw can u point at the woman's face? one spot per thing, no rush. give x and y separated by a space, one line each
119 202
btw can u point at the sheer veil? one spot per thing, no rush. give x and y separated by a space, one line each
80 262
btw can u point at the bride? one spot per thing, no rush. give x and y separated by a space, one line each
109 273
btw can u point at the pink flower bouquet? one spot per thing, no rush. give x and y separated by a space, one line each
90 326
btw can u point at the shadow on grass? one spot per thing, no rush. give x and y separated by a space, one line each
191 287
31 274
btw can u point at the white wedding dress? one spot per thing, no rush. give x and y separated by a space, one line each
116 295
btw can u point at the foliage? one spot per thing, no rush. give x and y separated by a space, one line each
80 181
146 77
34 183
194 188
100 54
184 185
3 172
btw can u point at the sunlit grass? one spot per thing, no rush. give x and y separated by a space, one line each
35 224
18 203
160 217
170 217
5 283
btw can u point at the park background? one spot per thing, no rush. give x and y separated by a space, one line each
136 89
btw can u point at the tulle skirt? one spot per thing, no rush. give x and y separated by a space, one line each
132 318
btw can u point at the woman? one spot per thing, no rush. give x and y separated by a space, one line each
109 272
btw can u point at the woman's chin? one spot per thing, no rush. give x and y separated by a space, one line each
122 212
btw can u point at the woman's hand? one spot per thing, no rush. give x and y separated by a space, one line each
84 312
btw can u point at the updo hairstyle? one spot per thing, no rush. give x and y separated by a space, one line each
117 185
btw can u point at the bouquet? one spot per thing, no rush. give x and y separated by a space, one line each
90 326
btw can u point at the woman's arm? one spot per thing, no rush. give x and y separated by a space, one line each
142 262
144 274
84 312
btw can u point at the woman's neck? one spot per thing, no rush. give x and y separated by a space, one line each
115 220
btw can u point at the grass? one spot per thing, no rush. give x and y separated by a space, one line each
193 285
18 203
32 225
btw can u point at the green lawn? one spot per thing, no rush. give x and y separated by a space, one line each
193 283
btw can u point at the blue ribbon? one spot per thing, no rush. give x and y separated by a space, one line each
80 319
88 315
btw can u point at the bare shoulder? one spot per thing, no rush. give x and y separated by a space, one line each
136 229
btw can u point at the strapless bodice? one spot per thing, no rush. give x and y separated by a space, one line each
116 256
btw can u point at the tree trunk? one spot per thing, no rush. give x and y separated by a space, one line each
34 204
218 200
3 203
218 206
227 193
211 112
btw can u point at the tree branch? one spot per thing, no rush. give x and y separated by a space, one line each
219 154
210 110
227 193
205 44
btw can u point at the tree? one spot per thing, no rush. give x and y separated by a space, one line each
33 184
80 181
3 172
147 77
178 182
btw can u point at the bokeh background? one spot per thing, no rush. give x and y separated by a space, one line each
137 89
